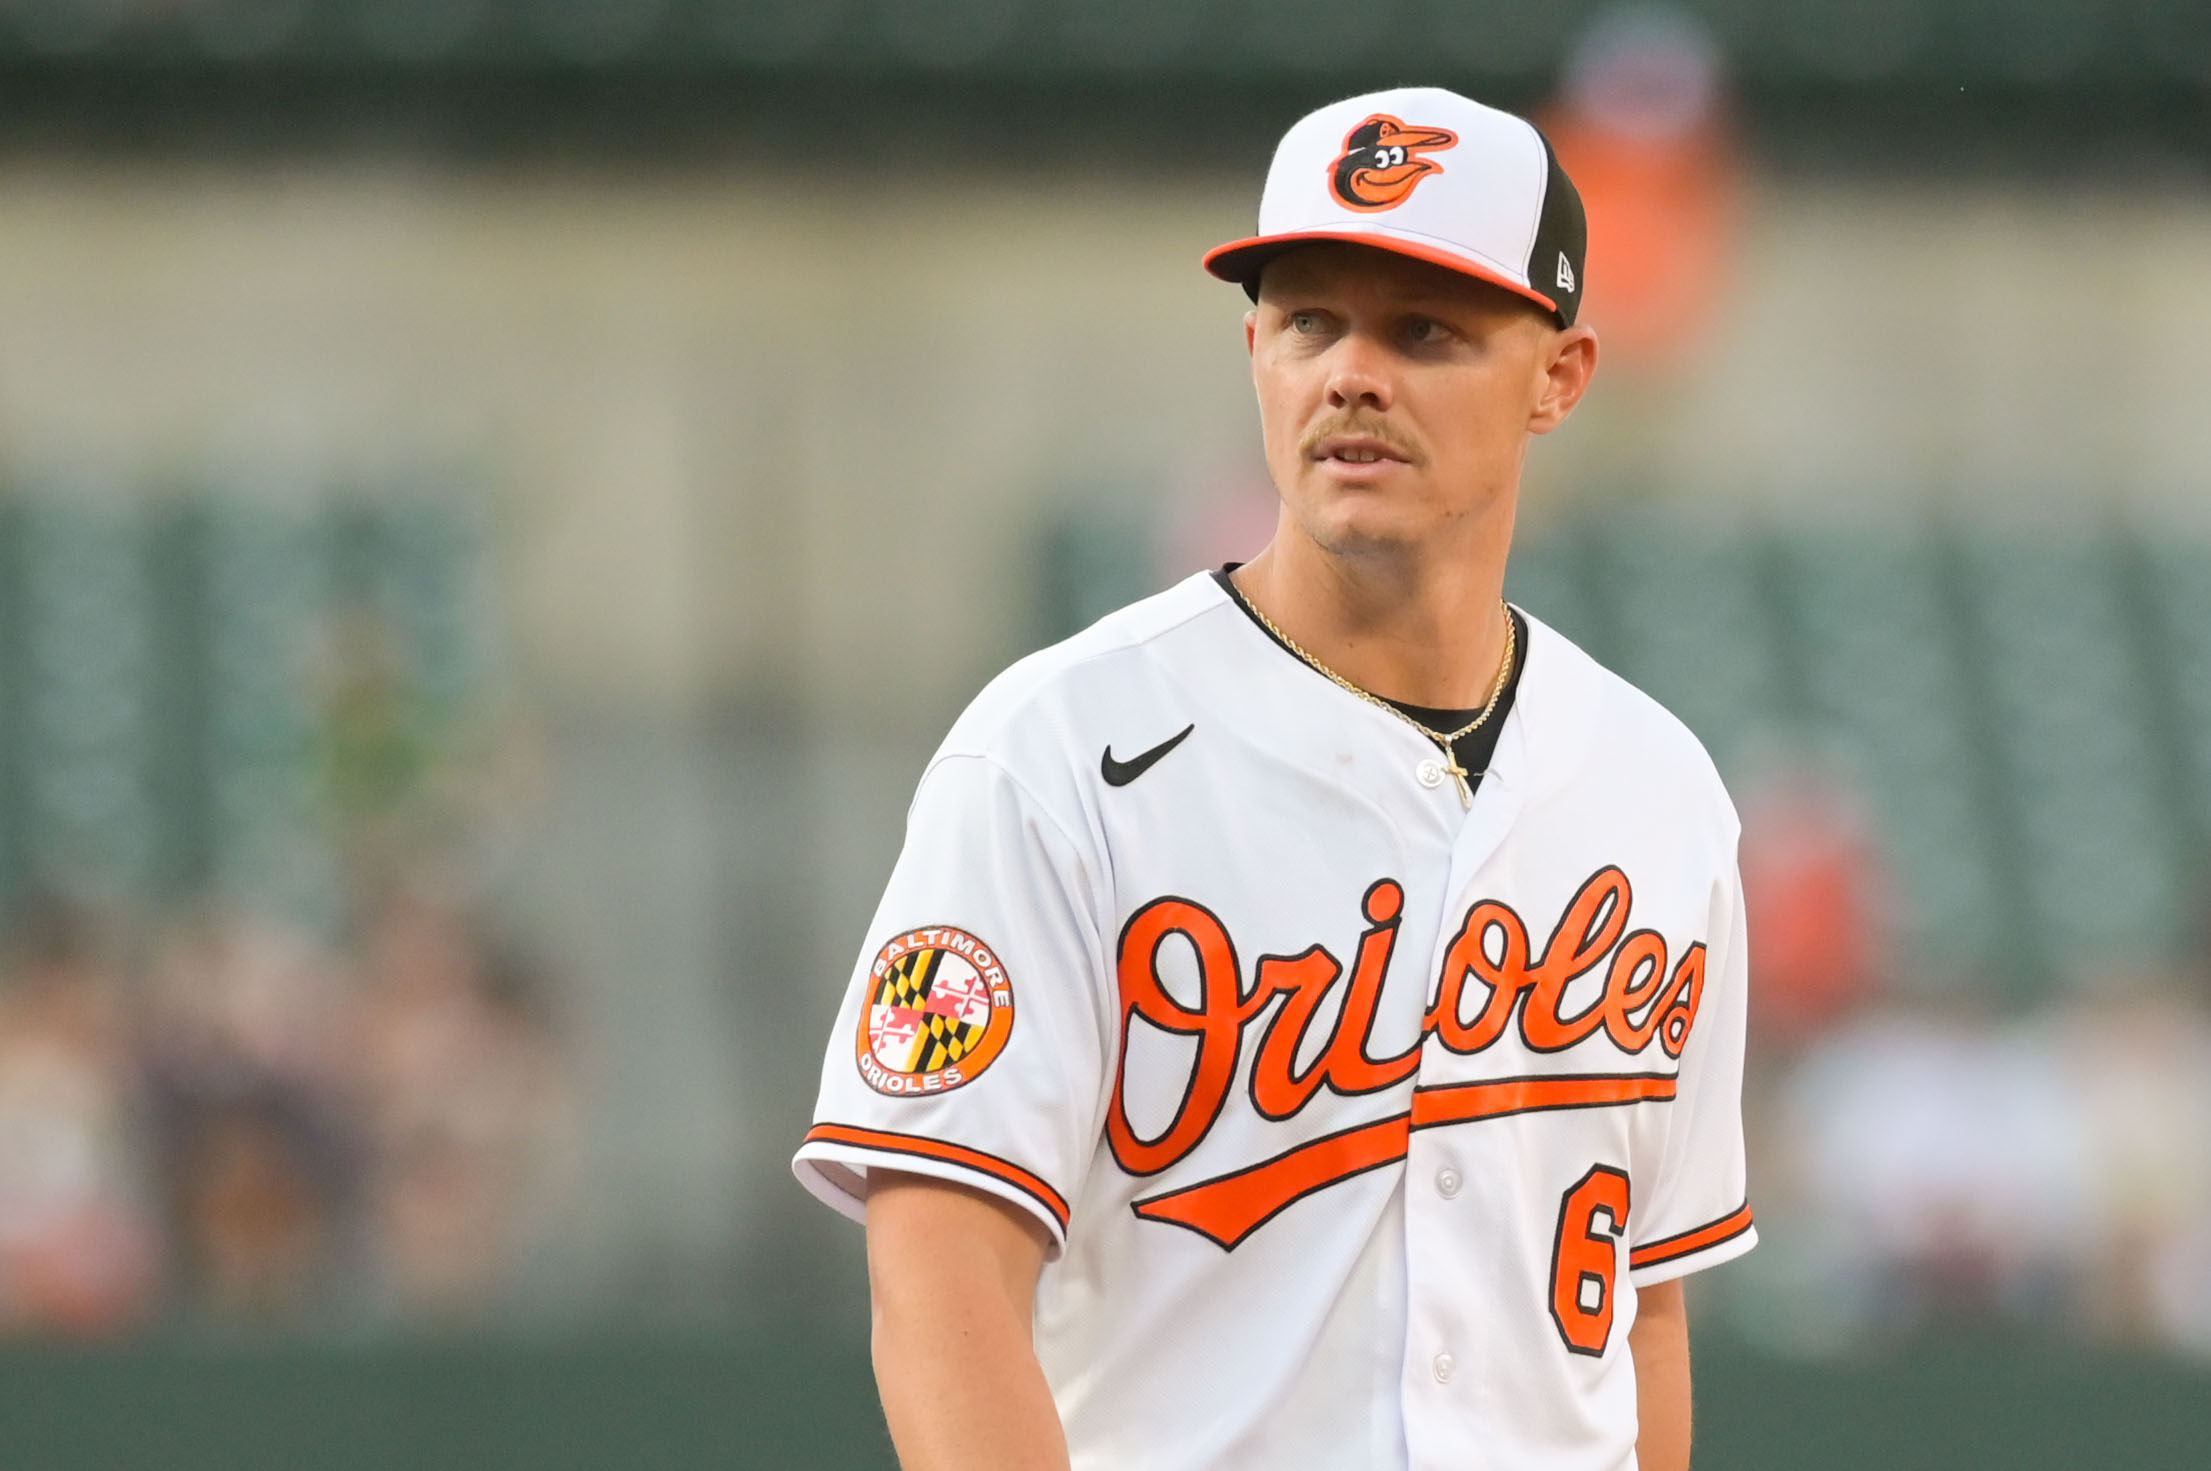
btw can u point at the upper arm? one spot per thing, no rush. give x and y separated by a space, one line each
926 1236
1659 1344
1663 1307
952 1274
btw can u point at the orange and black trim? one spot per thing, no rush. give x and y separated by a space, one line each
1696 1239
920 1147
1226 1209
1242 260
1458 1103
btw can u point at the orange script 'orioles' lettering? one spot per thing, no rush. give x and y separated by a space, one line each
1489 980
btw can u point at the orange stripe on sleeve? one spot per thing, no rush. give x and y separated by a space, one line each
1459 1103
1228 1209
1727 1228
958 1154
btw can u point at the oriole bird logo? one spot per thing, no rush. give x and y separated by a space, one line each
1381 162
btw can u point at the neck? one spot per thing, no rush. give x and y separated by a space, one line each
1424 630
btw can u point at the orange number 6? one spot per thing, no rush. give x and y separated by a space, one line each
1585 1260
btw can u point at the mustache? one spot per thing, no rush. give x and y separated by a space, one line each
1365 426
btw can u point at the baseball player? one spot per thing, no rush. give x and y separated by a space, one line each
1304 1026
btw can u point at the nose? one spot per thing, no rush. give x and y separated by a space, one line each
1358 374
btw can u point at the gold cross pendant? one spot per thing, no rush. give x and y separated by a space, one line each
1459 775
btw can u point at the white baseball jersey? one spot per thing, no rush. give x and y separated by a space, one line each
1356 1116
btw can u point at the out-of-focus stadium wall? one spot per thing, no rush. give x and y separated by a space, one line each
717 410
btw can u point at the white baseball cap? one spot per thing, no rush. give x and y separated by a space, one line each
1430 174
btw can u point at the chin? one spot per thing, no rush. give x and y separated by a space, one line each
1351 520
1354 526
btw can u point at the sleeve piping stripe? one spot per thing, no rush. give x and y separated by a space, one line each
1727 1228
958 1154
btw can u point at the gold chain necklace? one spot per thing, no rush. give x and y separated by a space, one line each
1444 739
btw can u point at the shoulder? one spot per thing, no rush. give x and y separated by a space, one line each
1048 716
1139 644
1625 742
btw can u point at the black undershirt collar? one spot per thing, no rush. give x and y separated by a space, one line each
1473 751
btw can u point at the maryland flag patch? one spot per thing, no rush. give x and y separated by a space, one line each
940 1008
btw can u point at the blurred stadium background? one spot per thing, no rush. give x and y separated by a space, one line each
498 499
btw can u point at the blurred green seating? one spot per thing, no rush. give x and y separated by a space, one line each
184 677
2025 713
2073 734
1883 683
2174 581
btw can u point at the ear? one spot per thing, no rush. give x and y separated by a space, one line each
1251 330
1571 361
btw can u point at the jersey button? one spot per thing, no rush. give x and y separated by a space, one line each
1447 1182
1444 1366
1429 773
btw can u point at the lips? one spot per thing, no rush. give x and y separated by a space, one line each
1357 450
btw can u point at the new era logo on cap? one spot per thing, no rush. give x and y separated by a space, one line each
1430 174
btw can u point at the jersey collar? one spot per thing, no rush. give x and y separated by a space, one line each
1546 736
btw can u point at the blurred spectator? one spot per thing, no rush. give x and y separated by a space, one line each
2139 1081
1939 1157
1642 128
465 1104
251 1070
1811 888
318 1139
1929 1165
255 1213
76 1248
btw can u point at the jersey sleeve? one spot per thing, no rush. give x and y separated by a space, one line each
1697 1214
972 1043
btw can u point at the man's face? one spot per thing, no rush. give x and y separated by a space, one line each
1396 396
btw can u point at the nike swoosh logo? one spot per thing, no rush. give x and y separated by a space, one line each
1121 773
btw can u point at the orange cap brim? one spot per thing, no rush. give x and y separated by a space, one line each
1240 260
